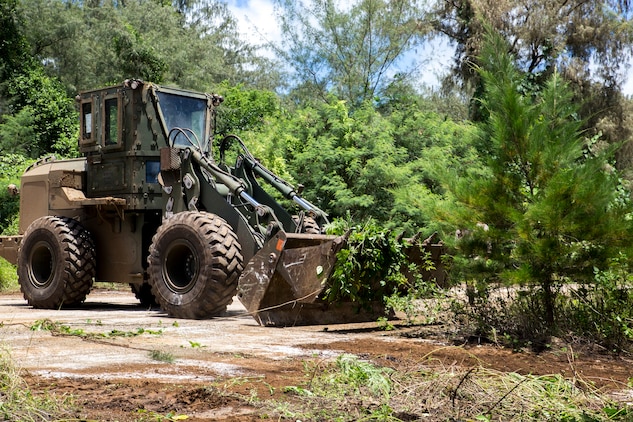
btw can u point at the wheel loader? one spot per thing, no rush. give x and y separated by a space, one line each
154 202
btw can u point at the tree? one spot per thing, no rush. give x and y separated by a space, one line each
555 208
92 44
347 164
350 51
37 116
590 43
244 109
365 164
17 131
40 103
14 50
584 38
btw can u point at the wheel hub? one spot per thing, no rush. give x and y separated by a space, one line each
180 268
41 269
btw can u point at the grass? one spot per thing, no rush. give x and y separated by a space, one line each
8 276
57 328
351 389
162 356
18 403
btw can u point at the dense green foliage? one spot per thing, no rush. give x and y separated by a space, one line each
11 167
40 117
368 268
589 43
366 163
92 44
560 212
244 109
45 120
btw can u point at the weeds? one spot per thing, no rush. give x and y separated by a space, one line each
368 268
8 276
57 328
421 304
148 415
599 311
602 311
378 267
162 356
348 388
351 389
18 403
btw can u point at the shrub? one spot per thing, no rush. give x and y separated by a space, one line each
602 311
375 267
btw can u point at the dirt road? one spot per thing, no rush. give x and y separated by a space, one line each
111 336
118 357
121 362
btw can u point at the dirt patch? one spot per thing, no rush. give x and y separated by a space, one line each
603 371
132 400
103 357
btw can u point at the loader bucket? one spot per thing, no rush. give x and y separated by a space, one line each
286 276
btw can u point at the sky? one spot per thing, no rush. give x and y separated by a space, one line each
256 19
258 23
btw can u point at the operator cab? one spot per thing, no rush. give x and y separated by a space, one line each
142 116
124 127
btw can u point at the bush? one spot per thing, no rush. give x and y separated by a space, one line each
40 104
374 267
602 311
510 315
11 168
598 311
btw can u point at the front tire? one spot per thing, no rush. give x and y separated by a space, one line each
56 263
194 262
310 226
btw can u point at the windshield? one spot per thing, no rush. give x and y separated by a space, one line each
185 113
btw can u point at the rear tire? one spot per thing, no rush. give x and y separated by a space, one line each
194 262
56 263
143 293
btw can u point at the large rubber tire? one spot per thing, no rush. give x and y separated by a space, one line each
194 262
56 263
144 295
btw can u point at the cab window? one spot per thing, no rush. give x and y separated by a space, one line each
186 113
111 122
86 123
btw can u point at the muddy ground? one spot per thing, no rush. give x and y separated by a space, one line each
121 362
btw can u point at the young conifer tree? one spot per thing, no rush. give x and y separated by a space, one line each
553 205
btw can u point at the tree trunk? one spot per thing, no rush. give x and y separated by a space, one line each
549 299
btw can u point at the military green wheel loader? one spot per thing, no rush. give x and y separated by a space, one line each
148 204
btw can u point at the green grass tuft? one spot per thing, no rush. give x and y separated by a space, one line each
162 356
